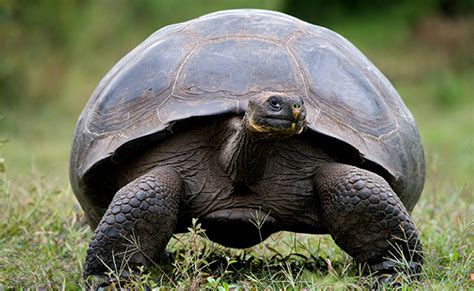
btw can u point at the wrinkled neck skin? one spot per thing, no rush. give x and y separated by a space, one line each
244 154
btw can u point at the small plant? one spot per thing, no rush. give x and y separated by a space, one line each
2 159
189 265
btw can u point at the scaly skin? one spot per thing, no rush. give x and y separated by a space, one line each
146 210
365 217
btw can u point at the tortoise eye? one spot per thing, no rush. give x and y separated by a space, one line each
275 103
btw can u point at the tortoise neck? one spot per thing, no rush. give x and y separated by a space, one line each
244 155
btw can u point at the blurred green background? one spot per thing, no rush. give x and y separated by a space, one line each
53 53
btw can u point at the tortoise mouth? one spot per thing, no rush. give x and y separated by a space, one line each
276 125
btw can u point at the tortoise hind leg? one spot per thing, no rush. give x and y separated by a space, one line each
366 218
144 212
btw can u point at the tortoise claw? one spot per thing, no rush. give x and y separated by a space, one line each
389 267
102 283
392 280
389 274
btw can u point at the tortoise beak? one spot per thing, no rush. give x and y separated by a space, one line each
296 113
296 110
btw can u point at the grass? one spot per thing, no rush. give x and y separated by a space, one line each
43 236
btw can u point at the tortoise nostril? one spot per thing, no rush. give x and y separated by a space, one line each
297 106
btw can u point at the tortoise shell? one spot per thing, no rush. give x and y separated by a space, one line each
214 64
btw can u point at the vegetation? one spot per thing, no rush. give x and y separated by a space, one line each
55 52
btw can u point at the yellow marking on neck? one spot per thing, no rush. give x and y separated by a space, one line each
257 128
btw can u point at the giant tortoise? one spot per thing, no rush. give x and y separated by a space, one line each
241 112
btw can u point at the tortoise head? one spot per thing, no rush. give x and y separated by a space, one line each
276 114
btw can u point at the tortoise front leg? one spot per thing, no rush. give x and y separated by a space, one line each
366 218
144 212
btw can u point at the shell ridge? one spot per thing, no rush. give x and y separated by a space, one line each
304 80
